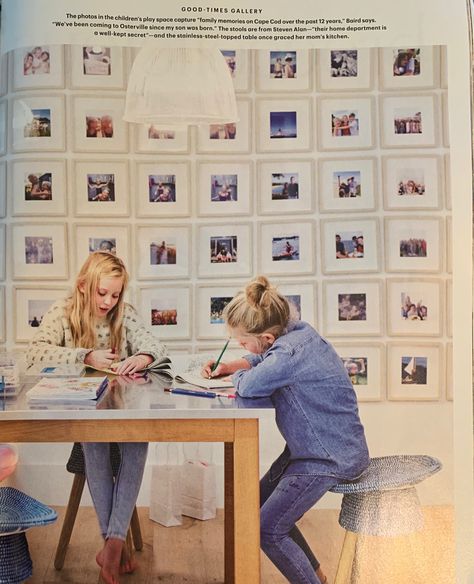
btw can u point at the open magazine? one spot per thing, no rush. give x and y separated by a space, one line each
67 389
163 367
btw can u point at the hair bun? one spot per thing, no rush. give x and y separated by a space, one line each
255 292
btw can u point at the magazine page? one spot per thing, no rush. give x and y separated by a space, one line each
343 172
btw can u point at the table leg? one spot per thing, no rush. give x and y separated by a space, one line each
242 508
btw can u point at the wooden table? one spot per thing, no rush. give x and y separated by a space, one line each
149 414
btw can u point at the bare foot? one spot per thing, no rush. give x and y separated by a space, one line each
109 560
128 564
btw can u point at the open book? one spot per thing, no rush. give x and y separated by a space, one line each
67 389
194 378
162 368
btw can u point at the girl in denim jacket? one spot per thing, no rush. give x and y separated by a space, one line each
315 410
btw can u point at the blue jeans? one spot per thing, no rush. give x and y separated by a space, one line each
114 499
284 499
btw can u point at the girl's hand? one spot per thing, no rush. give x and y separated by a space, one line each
221 369
101 358
132 364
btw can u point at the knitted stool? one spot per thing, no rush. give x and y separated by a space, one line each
75 465
18 512
382 502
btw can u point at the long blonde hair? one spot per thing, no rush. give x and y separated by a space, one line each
259 309
81 309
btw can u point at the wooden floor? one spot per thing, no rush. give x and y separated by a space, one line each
193 552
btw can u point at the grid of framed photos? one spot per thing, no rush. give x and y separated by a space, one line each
334 182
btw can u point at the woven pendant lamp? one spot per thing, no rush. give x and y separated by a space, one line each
180 87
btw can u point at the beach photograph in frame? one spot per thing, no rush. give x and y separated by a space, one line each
286 248
238 61
38 123
365 365
344 69
279 70
409 67
210 302
166 310
283 125
225 188
224 250
162 251
231 138
345 123
409 121
285 187
90 237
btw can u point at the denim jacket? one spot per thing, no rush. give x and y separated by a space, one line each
315 404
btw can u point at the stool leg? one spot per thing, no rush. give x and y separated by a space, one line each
69 519
344 569
136 531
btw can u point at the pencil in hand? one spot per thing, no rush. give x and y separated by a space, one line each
216 364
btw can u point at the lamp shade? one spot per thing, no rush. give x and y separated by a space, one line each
180 87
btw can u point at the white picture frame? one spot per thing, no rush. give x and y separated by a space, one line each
162 251
224 250
100 188
3 256
239 63
415 307
209 302
365 365
3 127
3 74
350 245
39 251
166 310
162 188
302 297
38 187
414 244
97 67
344 69
3 326
149 139
409 68
98 124
277 194
449 308
412 182
449 244
409 121
38 123
40 67
414 371
352 307
449 372
286 247
283 70
345 123
348 184
3 189
225 188
283 125
447 173
90 237
233 138
30 304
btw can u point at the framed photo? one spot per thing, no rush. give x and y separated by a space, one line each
449 308
302 299
3 255
365 365
281 71
345 123
3 74
409 120
414 371
414 307
38 187
3 189
224 188
166 310
283 125
97 67
414 244
210 302
232 138
2 315
38 123
350 245
409 68
162 251
285 187
40 67
344 69
3 127
101 188
347 184
224 250
98 125
352 307
31 303
413 182
286 248
39 251
150 139
238 61
90 237
449 372
162 189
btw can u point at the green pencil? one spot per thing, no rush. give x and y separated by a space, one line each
216 364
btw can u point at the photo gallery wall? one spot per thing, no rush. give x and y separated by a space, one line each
334 183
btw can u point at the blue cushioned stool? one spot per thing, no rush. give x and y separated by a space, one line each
382 502
18 512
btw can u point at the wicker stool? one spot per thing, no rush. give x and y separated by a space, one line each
382 501
75 465
18 512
